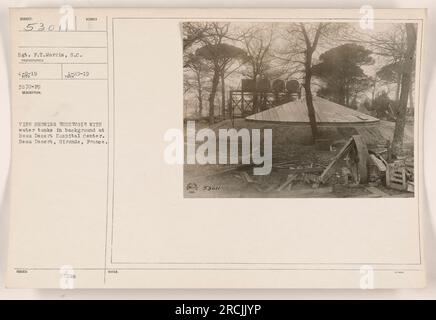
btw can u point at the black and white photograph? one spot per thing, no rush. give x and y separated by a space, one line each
224 153
314 109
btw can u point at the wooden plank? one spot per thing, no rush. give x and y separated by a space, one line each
338 156
396 177
288 182
299 170
362 152
378 162
247 178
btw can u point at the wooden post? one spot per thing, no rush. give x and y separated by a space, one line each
242 103
231 104
389 148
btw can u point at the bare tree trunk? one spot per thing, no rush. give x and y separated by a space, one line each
215 81
347 95
310 48
200 104
406 81
374 87
200 95
223 94
411 100
255 96
308 92
397 93
341 98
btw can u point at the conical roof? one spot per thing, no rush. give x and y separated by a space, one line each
326 112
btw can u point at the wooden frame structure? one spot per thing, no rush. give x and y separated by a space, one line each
243 103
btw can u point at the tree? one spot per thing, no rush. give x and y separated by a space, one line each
310 49
302 42
340 69
398 47
391 73
219 55
390 45
196 64
257 42
406 84
225 73
383 106
194 32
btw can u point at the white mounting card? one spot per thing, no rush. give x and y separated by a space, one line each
216 148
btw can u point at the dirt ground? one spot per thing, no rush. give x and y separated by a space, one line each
291 151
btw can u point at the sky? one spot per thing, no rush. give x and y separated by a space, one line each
353 32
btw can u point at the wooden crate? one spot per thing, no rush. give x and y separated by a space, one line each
396 176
